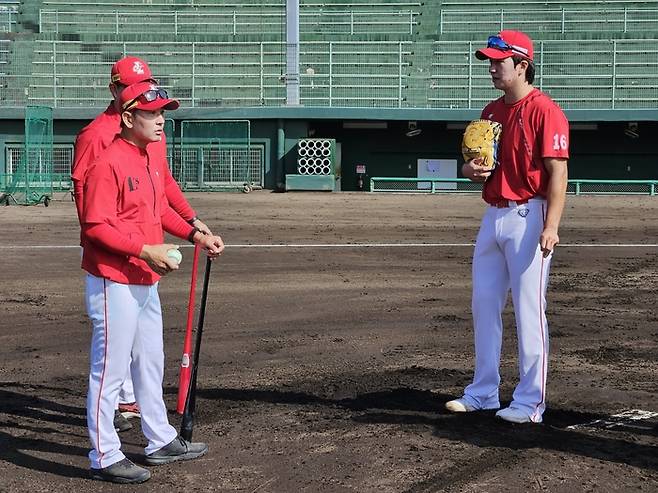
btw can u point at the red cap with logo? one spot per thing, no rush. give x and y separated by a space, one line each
505 45
130 70
146 96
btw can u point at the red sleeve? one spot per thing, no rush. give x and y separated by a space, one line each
555 133
87 148
174 204
175 196
174 224
101 192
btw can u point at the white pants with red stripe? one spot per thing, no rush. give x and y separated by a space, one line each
126 336
507 257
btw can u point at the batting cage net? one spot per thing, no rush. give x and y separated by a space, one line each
216 155
31 180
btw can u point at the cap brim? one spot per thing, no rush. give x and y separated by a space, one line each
129 81
493 54
165 104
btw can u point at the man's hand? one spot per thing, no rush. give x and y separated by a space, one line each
201 226
156 258
214 245
548 240
474 171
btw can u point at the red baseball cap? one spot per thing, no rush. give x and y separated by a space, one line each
505 45
146 96
130 70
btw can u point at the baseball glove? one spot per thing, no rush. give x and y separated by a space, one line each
481 141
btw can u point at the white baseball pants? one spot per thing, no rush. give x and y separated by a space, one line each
126 335
507 257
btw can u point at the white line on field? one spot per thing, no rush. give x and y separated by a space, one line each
353 245
628 418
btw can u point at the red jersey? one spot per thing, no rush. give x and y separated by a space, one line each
96 137
124 208
534 128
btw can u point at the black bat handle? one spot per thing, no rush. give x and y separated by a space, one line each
187 424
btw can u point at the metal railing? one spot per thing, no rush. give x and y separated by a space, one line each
233 22
8 19
582 74
587 74
370 74
540 20
464 185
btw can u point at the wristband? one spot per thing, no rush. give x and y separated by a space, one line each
191 221
194 231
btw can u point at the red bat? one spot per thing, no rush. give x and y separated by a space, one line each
185 368
187 423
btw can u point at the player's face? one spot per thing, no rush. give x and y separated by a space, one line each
504 75
116 88
144 127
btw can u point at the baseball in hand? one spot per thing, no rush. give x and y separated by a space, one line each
175 254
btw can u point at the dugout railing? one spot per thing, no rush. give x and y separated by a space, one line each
464 185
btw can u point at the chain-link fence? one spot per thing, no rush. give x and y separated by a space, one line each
612 187
62 159
423 185
216 154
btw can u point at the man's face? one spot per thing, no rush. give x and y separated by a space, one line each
116 88
143 127
505 75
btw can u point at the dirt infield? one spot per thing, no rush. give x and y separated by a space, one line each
327 368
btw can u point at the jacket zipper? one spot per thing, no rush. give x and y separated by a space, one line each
148 172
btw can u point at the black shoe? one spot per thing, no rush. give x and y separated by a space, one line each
178 449
123 471
121 423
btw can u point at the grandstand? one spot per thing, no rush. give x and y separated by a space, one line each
385 63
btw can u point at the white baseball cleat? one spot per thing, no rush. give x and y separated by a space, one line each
459 406
514 415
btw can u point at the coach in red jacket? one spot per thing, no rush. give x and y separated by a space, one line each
124 213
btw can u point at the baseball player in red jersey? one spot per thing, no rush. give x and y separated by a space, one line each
124 212
90 142
525 195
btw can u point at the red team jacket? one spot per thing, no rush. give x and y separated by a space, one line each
534 128
96 137
125 207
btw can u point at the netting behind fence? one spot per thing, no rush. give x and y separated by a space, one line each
423 185
215 154
31 182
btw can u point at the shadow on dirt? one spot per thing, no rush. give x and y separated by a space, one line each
21 404
407 406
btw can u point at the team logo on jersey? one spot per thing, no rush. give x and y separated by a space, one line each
133 183
523 212
138 67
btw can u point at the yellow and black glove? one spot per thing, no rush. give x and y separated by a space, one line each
480 140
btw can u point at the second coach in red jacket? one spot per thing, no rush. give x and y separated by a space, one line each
94 139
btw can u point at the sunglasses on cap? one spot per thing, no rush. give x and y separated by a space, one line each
146 97
498 43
